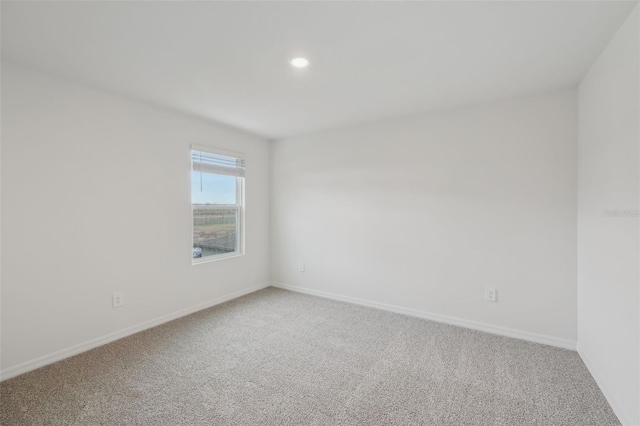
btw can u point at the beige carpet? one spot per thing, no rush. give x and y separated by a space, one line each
280 358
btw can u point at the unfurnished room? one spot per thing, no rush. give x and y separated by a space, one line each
325 213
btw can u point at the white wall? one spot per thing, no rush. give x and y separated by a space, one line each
96 198
608 279
424 212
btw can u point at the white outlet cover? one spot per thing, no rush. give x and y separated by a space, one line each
301 267
118 299
490 294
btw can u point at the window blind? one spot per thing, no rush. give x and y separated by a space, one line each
206 162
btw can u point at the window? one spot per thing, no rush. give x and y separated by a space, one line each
217 199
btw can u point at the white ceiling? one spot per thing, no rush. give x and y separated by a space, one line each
227 61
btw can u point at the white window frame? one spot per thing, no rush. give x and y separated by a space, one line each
239 207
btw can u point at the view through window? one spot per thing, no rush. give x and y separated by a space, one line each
217 189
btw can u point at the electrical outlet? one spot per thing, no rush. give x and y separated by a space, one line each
118 299
301 267
490 294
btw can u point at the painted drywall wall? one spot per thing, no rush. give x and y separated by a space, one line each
96 198
608 278
425 212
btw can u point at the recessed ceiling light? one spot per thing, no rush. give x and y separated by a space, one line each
299 62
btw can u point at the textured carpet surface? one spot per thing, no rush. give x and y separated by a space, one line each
283 358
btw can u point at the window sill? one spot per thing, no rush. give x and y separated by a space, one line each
215 258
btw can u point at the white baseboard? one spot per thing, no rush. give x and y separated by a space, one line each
493 329
624 420
108 338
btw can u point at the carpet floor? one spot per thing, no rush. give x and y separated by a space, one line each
276 357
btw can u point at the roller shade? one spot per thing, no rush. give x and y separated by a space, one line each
207 162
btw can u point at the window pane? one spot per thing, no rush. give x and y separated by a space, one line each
217 185
215 230
209 188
